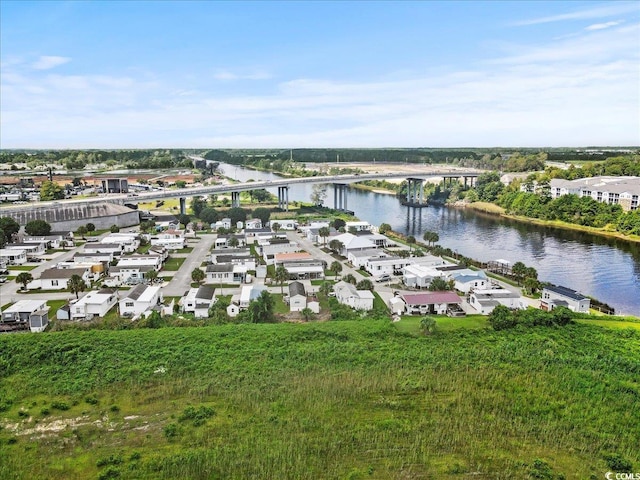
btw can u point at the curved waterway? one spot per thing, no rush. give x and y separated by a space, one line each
604 268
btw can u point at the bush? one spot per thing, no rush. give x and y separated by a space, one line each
91 400
618 463
199 415
170 431
110 472
60 406
110 460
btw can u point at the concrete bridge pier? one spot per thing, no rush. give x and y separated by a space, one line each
283 198
183 205
340 196
415 192
235 199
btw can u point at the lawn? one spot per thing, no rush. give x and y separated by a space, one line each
412 324
319 400
173 264
185 250
22 268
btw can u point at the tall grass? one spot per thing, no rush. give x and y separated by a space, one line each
325 400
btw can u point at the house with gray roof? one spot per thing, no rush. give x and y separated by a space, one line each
198 301
139 299
556 296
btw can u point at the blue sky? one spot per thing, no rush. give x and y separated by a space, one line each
125 74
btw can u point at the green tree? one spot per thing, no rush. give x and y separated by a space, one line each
349 278
233 242
91 227
197 275
23 278
261 309
439 284
82 231
307 314
281 276
501 318
430 237
37 228
76 285
261 195
263 214
364 284
519 270
411 240
427 325
336 268
197 205
384 228
336 246
275 226
326 288
3 239
209 215
237 214
151 275
51 191
9 226
181 184
114 229
184 219
324 232
339 223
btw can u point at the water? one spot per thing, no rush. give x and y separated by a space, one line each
607 269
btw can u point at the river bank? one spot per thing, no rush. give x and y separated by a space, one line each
493 209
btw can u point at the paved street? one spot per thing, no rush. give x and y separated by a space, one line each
181 280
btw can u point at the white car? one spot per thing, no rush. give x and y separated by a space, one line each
383 278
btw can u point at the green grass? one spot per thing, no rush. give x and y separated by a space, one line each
318 400
22 268
173 264
185 250
411 324
54 305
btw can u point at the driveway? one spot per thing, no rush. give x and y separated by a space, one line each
181 280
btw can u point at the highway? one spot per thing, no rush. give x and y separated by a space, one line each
240 187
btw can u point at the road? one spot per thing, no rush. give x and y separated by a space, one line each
181 280
9 290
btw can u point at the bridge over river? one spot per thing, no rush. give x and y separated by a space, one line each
339 182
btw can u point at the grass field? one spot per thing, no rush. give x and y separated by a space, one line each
173 264
333 400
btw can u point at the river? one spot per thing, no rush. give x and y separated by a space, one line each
604 268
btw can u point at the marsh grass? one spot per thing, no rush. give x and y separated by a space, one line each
322 400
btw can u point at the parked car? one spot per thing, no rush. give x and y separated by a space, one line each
383 278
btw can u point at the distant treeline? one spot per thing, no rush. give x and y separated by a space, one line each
78 159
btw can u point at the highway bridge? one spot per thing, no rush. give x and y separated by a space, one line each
340 183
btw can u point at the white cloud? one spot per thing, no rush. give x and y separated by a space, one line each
579 91
607 10
602 26
226 75
48 62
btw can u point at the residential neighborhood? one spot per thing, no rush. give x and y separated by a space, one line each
132 274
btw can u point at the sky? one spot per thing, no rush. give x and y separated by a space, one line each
215 74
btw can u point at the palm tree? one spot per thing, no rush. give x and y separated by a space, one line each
324 232
336 246
411 240
281 276
427 325
336 267
275 227
151 275
24 278
76 284
307 314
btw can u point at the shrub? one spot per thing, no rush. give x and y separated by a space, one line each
618 463
199 415
60 406
170 431
91 400
110 472
110 460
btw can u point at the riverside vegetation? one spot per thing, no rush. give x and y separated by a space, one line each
350 399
